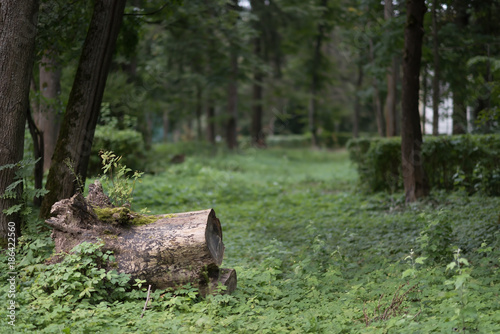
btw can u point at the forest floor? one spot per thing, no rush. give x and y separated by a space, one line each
313 255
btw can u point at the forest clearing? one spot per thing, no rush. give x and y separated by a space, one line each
313 255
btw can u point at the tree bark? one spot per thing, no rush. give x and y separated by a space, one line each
18 20
78 126
357 103
425 91
377 105
390 101
414 178
435 79
166 125
211 122
167 251
257 134
315 83
47 117
232 106
199 108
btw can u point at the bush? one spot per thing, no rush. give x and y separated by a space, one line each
127 143
465 162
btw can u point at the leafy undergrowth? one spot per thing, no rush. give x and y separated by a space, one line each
312 254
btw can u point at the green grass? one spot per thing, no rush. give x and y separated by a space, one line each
312 254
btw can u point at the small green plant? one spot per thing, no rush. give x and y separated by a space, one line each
70 164
461 268
436 237
117 179
412 262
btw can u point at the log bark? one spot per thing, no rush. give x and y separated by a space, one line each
167 250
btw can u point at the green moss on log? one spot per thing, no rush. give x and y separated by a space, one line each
122 216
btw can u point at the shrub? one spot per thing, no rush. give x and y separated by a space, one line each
465 162
127 143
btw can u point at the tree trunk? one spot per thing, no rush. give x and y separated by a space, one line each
357 103
459 83
390 101
257 134
48 118
165 250
166 125
211 122
459 114
315 84
18 20
232 107
425 91
199 108
414 178
435 80
377 105
78 126
38 146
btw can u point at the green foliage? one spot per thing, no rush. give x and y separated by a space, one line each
313 255
80 277
465 162
23 178
117 179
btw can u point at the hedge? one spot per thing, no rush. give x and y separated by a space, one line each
465 162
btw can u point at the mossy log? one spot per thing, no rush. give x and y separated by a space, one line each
165 250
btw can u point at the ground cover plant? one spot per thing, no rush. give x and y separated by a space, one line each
313 255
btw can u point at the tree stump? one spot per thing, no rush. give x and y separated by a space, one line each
167 250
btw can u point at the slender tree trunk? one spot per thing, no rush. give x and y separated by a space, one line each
18 20
458 86
459 113
425 91
435 79
78 126
48 118
390 101
257 110
38 146
211 122
315 84
357 103
377 104
414 178
232 107
199 108
166 125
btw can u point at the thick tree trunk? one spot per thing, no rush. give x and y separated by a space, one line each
257 134
18 20
78 126
47 117
414 178
435 79
165 250
232 106
390 100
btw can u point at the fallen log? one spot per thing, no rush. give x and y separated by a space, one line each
165 250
